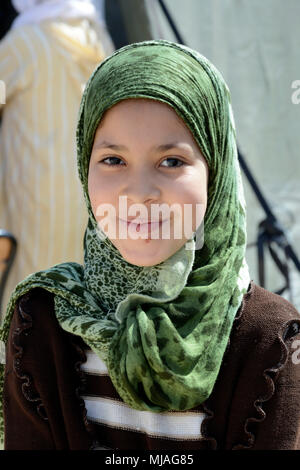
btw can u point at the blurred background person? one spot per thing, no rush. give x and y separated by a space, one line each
7 15
45 60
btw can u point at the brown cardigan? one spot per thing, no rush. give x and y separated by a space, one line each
255 403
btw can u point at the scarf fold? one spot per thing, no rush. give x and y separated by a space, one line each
162 330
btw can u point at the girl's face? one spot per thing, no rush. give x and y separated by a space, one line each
144 157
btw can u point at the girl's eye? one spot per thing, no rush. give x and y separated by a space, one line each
114 159
173 161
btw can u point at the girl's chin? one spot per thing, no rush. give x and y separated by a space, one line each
147 252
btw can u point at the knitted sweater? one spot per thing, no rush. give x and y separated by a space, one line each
255 402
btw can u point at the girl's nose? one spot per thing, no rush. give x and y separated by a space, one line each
140 187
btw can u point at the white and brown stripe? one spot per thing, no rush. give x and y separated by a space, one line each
122 427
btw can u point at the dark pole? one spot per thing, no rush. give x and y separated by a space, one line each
273 228
171 22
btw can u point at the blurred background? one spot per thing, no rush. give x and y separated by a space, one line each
255 45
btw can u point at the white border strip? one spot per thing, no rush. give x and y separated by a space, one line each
179 425
93 364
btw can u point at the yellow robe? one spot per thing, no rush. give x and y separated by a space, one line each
44 69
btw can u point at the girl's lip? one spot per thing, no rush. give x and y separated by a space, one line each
146 228
149 222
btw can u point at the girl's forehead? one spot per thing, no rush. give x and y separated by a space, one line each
141 112
139 104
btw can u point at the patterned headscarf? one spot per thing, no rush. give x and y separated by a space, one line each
162 330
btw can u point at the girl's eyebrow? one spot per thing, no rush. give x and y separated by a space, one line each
108 145
160 148
171 145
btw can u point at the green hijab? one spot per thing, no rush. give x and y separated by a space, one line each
162 330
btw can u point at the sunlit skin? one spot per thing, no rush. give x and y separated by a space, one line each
144 151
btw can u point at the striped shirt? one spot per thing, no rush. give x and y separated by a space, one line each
43 70
119 426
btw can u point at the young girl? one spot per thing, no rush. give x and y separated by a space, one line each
156 342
